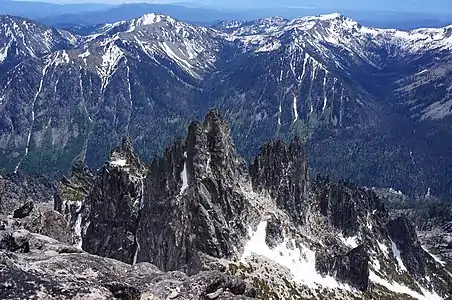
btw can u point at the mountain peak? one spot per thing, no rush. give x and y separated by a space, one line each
124 156
151 18
331 16
336 17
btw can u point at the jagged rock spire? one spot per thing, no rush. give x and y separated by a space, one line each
113 206
283 171
192 190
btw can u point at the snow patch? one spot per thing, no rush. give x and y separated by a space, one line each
272 46
149 19
391 190
111 56
351 241
84 54
369 221
295 109
118 162
436 258
110 59
305 62
383 248
78 227
331 16
184 64
375 263
183 176
399 260
4 52
61 59
398 288
325 100
299 259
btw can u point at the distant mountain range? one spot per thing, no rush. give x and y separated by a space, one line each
87 14
374 104
38 10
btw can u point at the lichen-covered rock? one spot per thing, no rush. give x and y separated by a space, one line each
51 270
13 241
46 221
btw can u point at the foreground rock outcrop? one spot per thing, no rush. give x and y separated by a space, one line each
38 267
198 223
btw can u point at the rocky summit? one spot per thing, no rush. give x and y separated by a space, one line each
199 223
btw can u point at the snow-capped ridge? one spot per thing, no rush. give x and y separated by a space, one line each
326 17
150 19
338 30
21 38
132 25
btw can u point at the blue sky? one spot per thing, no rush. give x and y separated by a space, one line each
381 5
422 6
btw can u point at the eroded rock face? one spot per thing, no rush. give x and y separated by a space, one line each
193 189
433 221
344 204
403 234
110 215
182 204
283 171
353 268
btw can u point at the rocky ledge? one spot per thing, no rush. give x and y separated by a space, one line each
34 266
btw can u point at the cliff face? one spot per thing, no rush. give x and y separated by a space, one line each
283 171
199 207
194 191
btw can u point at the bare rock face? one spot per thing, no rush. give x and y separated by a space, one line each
283 171
192 189
47 269
183 204
403 234
433 221
353 268
19 192
110 215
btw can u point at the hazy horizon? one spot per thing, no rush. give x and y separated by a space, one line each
409 6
